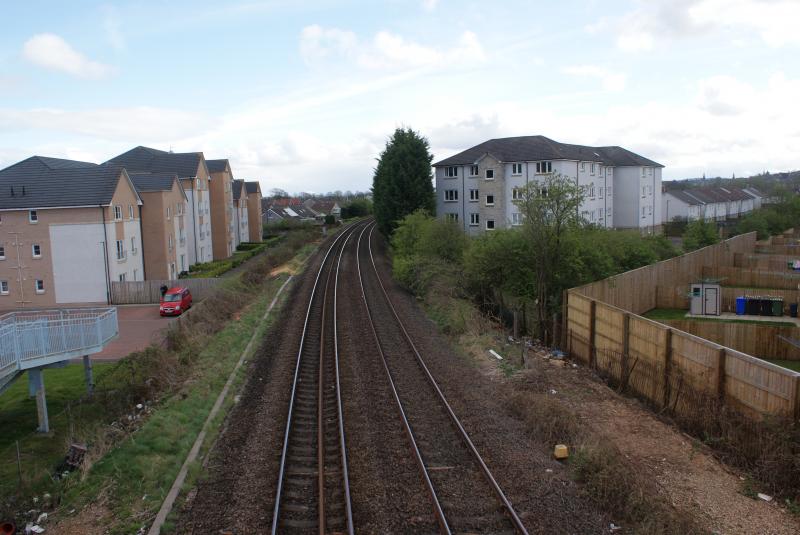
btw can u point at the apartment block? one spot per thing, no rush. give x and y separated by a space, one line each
222 216
163 215
192 171
254 221
67 229
479 186
241 212
713 203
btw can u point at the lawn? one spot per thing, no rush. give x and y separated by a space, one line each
791 364
667 314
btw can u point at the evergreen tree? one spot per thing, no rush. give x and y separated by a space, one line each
402 183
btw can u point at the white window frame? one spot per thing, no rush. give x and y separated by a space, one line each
169 241
601 192
117 212
451 195
516 194
121 253
34 246
474 219
130 211
451 171
544 167
473 170
4 289
33 216
133 245
474 195
591 168
486 200
516 169
489 174
591 190
583 166
450 216
122 277
487 224
169 212
36 284
517 219
644 191
608 192
608 212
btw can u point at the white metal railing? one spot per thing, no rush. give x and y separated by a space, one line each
29 337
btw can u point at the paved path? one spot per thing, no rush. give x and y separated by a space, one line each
139 325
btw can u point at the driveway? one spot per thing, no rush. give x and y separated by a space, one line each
139 326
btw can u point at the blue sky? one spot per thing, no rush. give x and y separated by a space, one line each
302 95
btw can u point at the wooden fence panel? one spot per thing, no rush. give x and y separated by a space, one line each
753 278
578 310
149 291
759 340
759 386
646 359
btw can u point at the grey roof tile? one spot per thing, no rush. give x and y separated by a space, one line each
149 160
237 189
252 186
216 166
153 181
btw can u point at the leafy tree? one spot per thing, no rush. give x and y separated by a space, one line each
700 233
359 207
551 211
402 182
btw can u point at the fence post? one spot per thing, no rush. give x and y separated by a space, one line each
667 365
797 397
592 331
626 344
721 374
564 320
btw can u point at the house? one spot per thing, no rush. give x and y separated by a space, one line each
478 187
223 228
68 229
324 208
292 213
254 219
163 216
193 174
712 203
758 197
241 212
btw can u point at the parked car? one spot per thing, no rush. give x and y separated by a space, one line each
175 301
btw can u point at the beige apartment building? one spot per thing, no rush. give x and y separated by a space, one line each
67 229
164 207
254 221
192 171
240 212
222 216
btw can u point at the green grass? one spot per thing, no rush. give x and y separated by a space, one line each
41 453
136 475
791 364
667 314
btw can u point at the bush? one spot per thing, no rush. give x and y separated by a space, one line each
357 208
699 234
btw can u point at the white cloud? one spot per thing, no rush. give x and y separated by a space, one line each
725 95
655 21
52 52
386 51
611 81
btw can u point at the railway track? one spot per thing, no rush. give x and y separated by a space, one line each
464 494
313 493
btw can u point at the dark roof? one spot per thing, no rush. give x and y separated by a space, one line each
684 196
252 187
52 182
153 181
534 148
293 212
216 166
237 189
322 207
710 195
148 160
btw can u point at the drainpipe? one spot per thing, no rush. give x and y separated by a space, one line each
141 233
105 257
463 200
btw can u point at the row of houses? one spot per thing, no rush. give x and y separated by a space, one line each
68 228
294 209
479 188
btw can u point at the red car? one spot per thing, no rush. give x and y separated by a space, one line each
175 301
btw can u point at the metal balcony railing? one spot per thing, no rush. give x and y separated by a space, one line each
29 339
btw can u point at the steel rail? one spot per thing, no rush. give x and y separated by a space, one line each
282 469
437 506
520 527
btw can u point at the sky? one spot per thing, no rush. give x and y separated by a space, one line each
303 95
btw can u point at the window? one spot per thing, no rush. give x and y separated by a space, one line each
516 194
609 171
473 195
649 210
133 245
450 195
198 183
490 200
135 274
599 213
451 172
169 212
490 174
36 250
2 252
474 220
179 209
650 171
169 242
451 217
608 212
130 211
643 171
473 170
644 191
591 169
117 212
183 262
122 277
608 192
39 286
601 192
516 168
490 224
516 219
4 287
544 167
642 212
591 189
583 166
33 217
120 250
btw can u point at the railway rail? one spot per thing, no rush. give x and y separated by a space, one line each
313 492
465 496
